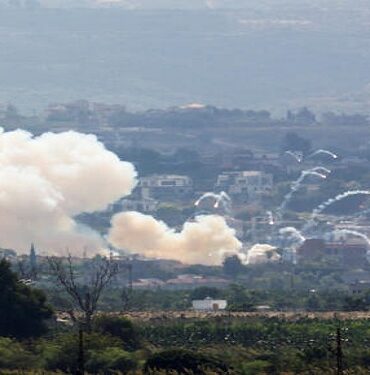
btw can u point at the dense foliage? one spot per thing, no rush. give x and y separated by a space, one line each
23 310
238 346
238 296
184 361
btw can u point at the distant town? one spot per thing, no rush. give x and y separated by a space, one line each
266 194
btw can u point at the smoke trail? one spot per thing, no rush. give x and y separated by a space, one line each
292 232
325 152
296 185
323 206
222 198
206 195
270 218
361 213
353 233
262 253
338 198
322 170
207 240
225 196
45 181
298 156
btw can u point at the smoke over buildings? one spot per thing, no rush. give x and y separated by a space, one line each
207 240
46 181
262 253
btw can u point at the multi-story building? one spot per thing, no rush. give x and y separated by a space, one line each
163 187
349 253
141 205
245 185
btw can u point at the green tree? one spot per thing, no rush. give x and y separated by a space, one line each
23 310
14 356
232 266
204 292
118 327
110 361
101 352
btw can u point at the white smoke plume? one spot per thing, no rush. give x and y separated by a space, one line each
319 209
262 253
222 198
323 152
297 155
296 185
354 233
292 233
323 206
46 181
207 240
270 218
322 170
225 199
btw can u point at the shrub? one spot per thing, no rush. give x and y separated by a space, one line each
120 328
23 310
184 362
14 356
109 361
62 353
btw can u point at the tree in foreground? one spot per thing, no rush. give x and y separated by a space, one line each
84 292
103 354
23 310
118 327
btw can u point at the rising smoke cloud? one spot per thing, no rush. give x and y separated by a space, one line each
46 181
207 240
262 253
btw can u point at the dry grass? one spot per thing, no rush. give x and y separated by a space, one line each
290 315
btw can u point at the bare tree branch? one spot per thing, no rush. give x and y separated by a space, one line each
84 297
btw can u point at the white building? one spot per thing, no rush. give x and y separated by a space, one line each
141 205
165 186
245 185
165 181
209 304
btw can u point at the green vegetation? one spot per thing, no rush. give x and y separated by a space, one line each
216 345
184 361
198 346
23 310
240 297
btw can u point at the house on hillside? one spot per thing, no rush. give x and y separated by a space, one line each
245 186
163 187
350 253
209 304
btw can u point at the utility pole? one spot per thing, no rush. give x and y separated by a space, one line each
339 352
33 262
81 354
129 267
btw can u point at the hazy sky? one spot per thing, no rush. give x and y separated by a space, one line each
272 54
198 4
